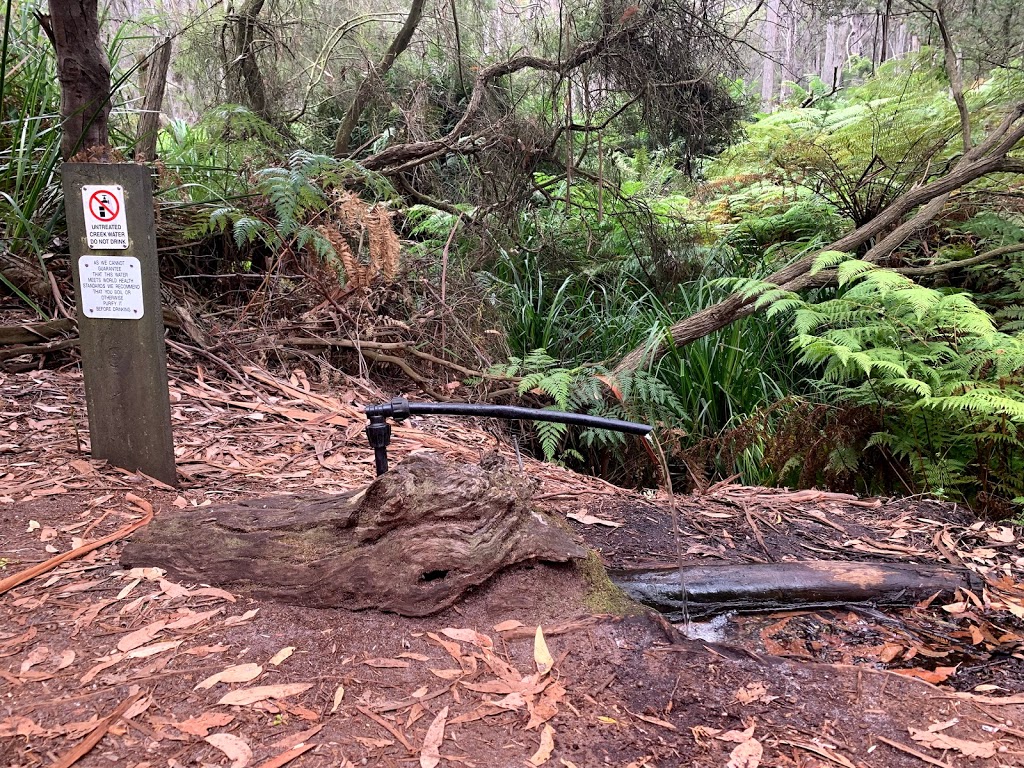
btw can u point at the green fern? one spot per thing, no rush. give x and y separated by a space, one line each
950 385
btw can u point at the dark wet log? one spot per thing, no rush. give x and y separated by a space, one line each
411 542
765 587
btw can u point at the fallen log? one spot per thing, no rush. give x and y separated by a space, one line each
29 333
411 542
712 590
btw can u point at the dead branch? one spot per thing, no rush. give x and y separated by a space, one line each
48 565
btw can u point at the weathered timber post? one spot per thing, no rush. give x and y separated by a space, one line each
112 238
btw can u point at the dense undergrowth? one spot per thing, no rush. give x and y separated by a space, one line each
879 384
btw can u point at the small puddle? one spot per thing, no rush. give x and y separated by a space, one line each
714 631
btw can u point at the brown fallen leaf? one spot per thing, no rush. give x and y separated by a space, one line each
68 658
372 743
231 621
936 676
468 636
152 650
281 655
245 696
541 654
239 673
191 619
737 736
413 656
339 694
752 692
290 754
205 650
295 739
547 746
447 674
214 592
587 519
485 710
140 636
547 706
746 755
507 626
236 749
654 721
387 663
17 725
971 749
37 655
201 725
430 752
454 649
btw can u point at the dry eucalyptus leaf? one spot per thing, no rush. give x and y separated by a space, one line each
236 749
140 636
152 650
281 655
468 636
547 746
238 673
36 656
746 755
430 752
507 626
583 517
200 725
339 694
541 654
245 696
971 749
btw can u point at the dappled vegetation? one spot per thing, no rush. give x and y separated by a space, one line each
518 208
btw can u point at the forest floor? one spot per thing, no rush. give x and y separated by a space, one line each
103 667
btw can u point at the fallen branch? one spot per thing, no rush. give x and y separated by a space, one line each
33 332
48 565
96 734
912 751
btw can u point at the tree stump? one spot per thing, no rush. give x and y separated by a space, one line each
411 542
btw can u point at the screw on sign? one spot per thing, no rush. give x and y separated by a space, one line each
106 222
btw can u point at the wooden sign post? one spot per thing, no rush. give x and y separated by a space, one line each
112 238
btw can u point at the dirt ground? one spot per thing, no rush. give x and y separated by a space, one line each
102 667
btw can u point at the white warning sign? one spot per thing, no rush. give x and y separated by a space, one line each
111 287
106 226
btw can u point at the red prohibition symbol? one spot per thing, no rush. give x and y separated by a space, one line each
103 205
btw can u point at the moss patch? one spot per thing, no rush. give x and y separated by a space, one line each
602 595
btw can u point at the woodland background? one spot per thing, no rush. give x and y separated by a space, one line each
789 234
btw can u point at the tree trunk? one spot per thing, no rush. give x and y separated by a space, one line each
771 38
84 74
152 101
829 70
365 90
245 83
883 50
711 590
411 542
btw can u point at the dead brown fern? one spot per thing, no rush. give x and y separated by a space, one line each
356 274
357 223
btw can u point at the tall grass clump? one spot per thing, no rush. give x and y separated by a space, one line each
30 200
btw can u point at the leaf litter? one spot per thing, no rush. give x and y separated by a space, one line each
536 701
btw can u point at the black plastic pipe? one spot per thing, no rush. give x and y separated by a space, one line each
379 433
